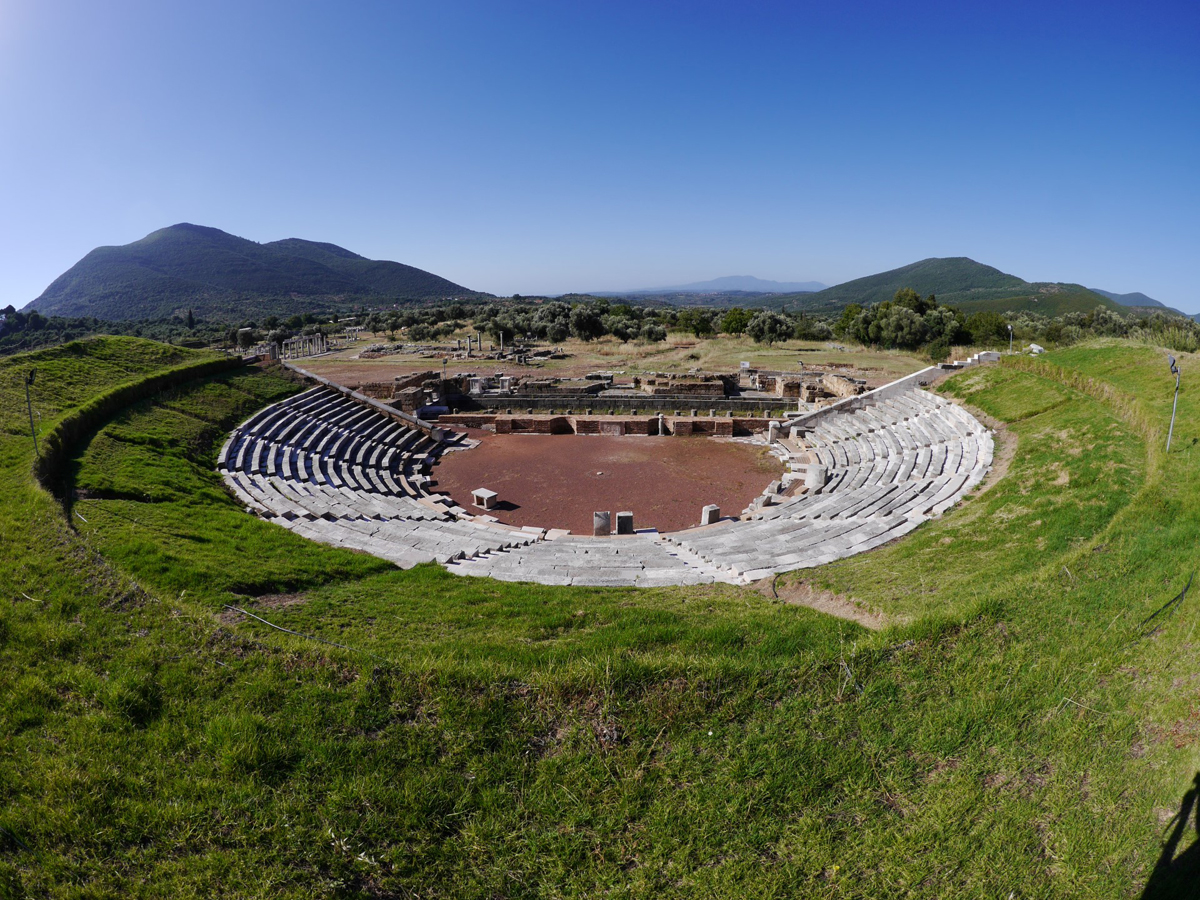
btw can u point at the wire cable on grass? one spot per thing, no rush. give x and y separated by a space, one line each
306 636
20 843
1171 604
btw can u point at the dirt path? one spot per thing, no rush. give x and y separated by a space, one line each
802 593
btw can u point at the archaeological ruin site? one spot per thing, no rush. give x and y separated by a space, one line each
857 468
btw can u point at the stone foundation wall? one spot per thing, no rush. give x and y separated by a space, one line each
608 425
533 425
615 425
685 389
841 386
401 382
409 399
573 387
689 426
468 420
624 405
378 390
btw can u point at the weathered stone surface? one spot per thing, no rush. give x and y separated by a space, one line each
710 515
624 523
601 524
814 480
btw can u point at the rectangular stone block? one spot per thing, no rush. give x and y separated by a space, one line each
710 515
815 478
624 523
601 524
483 498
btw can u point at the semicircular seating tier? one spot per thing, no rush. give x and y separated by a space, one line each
337 471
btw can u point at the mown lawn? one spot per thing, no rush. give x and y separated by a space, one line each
1015 731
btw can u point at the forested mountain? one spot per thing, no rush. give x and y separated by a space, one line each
219 275
957 281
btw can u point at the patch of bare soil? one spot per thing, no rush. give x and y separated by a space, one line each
803 593
559 481
279 601
1005 445
266 601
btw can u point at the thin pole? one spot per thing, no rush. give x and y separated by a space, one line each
1171 430
32 430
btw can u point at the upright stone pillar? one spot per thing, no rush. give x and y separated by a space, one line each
814 479
624 523
710 515
772 432
601 524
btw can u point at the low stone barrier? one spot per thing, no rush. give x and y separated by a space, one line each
421 424
689 426
721 426
895 388
468 420
533 425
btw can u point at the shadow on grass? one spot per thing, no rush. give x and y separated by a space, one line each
1178 875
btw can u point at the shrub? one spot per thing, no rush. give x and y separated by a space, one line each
769 327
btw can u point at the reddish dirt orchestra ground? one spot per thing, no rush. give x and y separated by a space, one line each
558 481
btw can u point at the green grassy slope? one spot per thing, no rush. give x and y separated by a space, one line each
1022 733
214 273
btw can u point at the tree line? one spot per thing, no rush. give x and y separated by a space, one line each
907 322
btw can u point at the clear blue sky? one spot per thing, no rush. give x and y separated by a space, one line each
550 147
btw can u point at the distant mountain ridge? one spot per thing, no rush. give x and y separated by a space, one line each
1135 299
205 269
958 281
728 284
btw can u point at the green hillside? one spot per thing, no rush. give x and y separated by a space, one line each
956 281
1046 299
219 275
1023 725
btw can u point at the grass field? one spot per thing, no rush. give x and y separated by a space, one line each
679 353
1016 730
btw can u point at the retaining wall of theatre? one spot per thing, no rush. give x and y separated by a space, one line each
608 425
626 404
903 385
363 399
57 445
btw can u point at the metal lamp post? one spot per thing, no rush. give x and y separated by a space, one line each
29 406
1175 405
